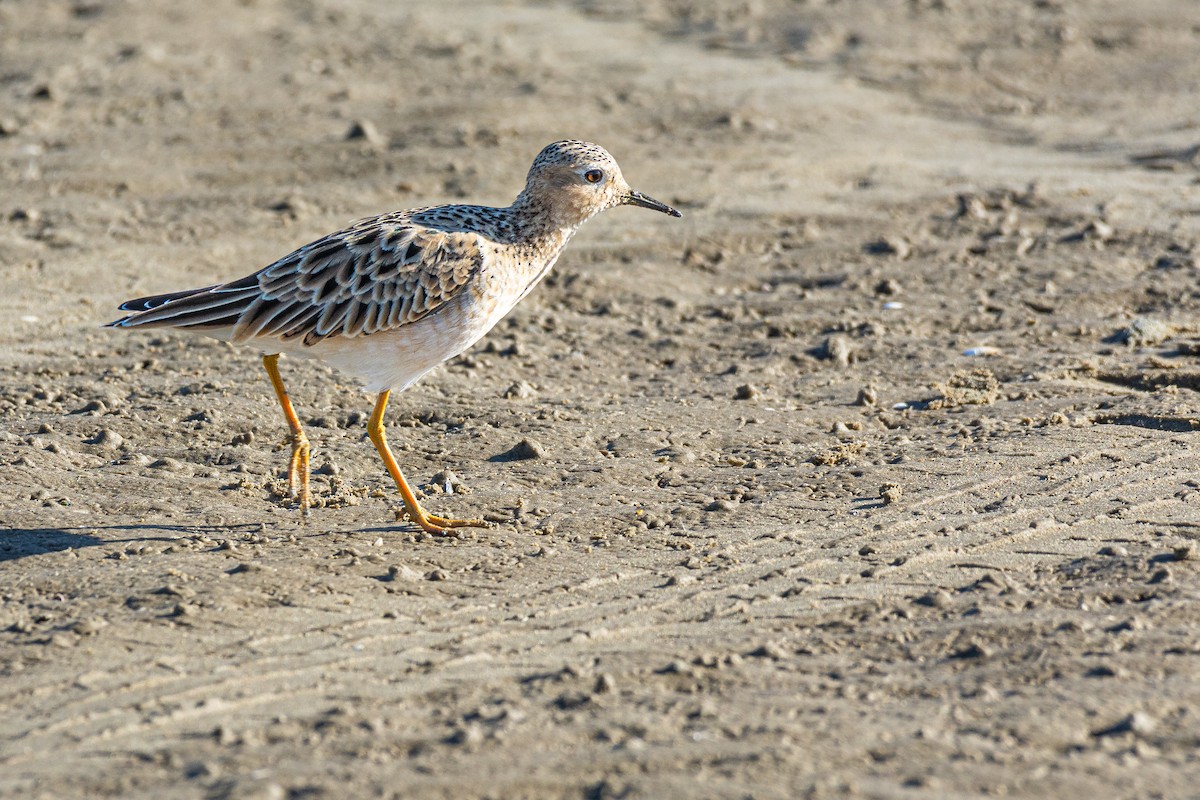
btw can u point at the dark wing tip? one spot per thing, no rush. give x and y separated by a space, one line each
140 304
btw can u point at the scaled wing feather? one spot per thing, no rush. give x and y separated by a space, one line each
381 274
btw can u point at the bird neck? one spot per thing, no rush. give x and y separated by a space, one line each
535 219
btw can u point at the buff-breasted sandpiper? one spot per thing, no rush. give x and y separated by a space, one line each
391 297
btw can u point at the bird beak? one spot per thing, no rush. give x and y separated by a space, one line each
639 199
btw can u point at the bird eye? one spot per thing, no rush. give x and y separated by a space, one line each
593 176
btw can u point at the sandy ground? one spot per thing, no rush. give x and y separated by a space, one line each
873 476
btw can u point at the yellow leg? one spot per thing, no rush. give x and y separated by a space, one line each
415 513
298 467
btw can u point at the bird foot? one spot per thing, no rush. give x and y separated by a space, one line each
447 522
438 526
298 469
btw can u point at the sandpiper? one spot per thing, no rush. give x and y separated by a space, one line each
391 297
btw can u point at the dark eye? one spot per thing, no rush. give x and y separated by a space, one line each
593 176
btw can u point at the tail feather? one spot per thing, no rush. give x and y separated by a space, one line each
213 307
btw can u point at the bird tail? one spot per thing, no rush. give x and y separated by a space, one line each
212 307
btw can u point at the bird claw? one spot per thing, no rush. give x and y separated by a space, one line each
438 526
447 522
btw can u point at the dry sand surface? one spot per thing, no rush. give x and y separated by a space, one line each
876 475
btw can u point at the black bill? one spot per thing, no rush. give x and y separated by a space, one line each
639 199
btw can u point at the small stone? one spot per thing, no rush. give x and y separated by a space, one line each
63 640
89 626
168 464
676 667
1142 723
890 493
572 699
518 391
524 450
769 650
1138 723
896 246
292 207
403 572
447 482
94 407
747 391
365 130
678 455
721 505
466 736
175 590
605 684
838 350
248 566
867 396
1147 332
1098 230
247 788
1172 261
1102 671
1184 552
973 650
107 438
937 599
889 286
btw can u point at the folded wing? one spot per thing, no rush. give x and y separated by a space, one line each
378 275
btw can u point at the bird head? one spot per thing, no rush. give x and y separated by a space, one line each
572 181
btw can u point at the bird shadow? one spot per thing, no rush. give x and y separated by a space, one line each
18 543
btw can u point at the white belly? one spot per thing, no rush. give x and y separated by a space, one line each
398 358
